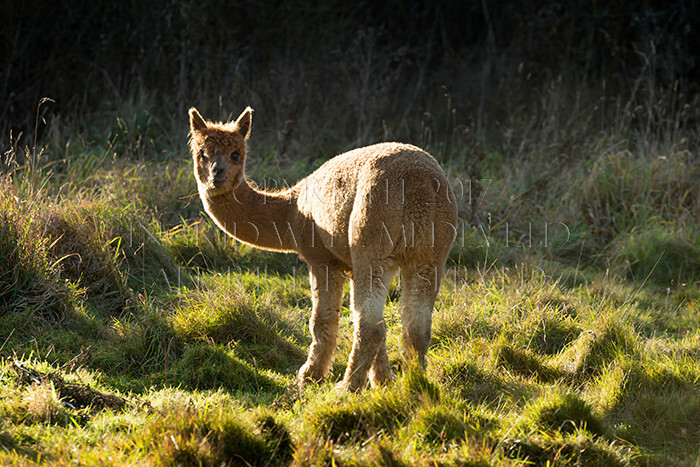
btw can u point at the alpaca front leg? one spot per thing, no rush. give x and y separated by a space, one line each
326 295
380 372
370 332
369 292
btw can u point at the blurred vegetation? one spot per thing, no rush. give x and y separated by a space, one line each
341 68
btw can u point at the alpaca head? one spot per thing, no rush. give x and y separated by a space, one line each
219 151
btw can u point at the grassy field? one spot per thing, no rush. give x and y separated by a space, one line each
567 330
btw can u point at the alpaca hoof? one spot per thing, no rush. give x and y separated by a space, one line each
307 374
348 386
341 387
344 387
378 380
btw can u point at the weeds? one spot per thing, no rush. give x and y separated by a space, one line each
30 282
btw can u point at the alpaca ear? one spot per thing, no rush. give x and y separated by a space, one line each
244 122
197 123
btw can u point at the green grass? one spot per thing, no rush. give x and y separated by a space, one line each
566 331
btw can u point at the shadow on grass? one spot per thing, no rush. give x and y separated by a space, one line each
201 246
662 405
259 335
474 383
209 367
17 448
559 450
187 435
146 351
524 362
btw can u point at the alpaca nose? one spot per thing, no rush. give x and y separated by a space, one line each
218 173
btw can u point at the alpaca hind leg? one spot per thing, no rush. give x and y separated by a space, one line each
369 291
420 286
326 295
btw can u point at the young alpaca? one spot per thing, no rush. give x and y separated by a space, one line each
363 214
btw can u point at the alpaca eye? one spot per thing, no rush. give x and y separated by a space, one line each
201 154
235 156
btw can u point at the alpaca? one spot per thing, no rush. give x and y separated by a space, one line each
363 214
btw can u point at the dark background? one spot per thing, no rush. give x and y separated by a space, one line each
306 61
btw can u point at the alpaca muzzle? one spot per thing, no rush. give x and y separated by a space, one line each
218 174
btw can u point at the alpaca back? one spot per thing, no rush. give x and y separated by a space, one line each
390 198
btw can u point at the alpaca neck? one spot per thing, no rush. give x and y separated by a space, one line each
259 218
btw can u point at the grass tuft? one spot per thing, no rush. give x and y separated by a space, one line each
84 259
565 413
443 426
577 448
663 255
593 350
522 362
468 377
193 436
29 279
415 385
203 367
244 317
623 191
140 345
42 404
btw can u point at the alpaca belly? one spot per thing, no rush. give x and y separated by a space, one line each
328 207
336 245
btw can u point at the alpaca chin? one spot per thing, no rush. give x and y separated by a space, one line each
211 190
